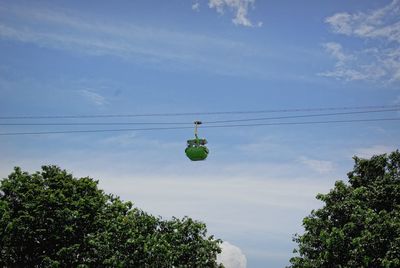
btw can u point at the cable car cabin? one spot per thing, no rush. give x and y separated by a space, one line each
196 149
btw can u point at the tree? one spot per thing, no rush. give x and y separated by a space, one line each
359 225
51 219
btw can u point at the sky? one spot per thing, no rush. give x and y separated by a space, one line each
181 56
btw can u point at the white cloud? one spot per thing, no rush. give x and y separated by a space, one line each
379 23
347 65
240 7
378 62
370 64
336 50
196 6
93 97
231 256
340 23
320 166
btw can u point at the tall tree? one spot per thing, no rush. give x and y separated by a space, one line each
51 219
359 225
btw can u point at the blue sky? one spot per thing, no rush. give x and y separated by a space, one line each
71 58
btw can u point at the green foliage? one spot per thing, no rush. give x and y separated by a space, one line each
359 225
51 219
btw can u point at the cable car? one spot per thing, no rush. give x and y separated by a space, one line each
196 149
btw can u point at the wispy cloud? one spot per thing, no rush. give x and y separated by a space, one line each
320 166
260 146
239 7
380 23
93 97
336 50
131 140
196 6
361 65
378 62
83 33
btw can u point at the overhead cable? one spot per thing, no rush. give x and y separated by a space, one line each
190 123
199 113
212 126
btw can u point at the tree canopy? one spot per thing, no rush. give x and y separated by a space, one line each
359 224
51 219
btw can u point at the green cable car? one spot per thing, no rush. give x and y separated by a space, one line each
196 149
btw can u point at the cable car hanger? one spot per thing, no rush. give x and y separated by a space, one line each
196 149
